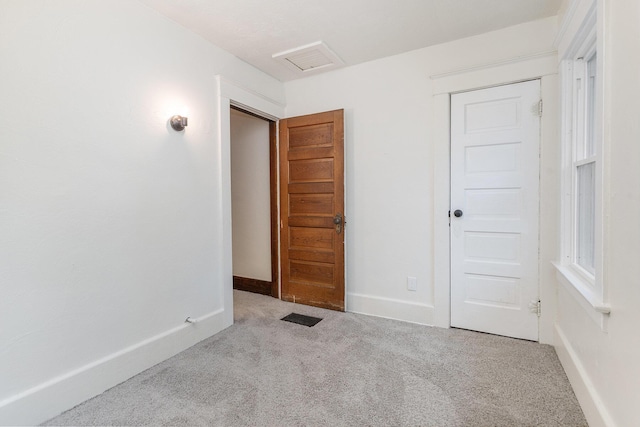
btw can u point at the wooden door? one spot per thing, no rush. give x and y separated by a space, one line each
312 209
495 137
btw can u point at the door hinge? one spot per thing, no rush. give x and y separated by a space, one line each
540 108
535 307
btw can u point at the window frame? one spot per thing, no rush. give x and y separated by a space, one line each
575 130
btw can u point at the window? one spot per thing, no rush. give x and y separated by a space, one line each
584 163
582 139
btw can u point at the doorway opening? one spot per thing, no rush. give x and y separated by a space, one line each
254 203
314 160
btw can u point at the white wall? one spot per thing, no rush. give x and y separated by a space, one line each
603 362
390 162
110 222
250 196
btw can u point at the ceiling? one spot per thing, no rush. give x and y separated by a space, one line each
356 30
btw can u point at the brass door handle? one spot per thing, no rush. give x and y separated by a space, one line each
337 220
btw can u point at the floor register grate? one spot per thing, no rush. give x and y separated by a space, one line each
301 319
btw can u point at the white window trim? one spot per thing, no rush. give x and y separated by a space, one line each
589 287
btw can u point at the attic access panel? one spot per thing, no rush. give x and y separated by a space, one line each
309 58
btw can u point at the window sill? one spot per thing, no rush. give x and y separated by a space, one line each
577 285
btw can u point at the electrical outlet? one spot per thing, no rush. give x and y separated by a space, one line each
412 283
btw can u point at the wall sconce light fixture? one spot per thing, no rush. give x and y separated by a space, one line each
178 123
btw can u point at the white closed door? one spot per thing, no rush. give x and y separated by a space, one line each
495 138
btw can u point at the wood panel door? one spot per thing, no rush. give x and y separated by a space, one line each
312 209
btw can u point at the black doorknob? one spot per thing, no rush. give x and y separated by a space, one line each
457 213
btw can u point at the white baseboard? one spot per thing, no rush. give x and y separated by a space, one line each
51 398
390 308
594 409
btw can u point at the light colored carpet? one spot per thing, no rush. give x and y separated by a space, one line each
348 370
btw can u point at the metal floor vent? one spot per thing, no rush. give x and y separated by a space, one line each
310 57
301 319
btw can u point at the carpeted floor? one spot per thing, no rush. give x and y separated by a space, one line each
348 370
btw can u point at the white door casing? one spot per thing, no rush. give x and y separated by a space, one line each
495 139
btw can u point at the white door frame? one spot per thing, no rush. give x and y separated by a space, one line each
230 93
544 67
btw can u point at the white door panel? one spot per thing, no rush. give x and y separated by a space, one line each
494 182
